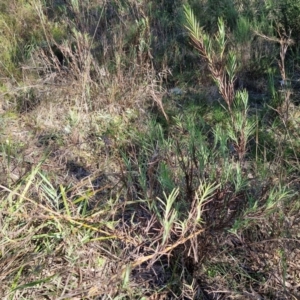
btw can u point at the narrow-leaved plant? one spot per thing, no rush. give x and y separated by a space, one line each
222 64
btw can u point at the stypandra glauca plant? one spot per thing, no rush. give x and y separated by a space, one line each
222 64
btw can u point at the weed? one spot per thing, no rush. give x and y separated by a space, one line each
137 165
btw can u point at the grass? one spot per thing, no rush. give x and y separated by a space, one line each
113 186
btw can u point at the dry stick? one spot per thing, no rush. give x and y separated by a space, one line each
168 249
285 41
138 262
158 100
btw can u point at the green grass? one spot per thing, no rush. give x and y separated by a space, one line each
114 187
